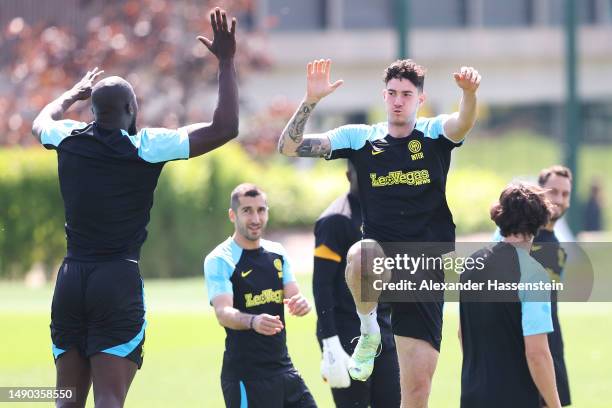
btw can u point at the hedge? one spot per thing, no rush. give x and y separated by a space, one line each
189 216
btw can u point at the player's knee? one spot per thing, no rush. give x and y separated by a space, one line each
418 389
353 257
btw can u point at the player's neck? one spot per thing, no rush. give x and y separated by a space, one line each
550 226
245 243
399 131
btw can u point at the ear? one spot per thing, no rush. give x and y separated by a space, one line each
232 215
384 94
422 98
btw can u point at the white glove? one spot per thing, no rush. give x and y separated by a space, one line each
334 365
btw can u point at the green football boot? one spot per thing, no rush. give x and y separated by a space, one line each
361 363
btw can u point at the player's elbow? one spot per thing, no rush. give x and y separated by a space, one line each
536 354
282 149
221 316
230 130
37 128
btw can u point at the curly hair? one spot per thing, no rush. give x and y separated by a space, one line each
522 210
406 69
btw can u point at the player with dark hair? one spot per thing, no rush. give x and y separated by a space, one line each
336 230
248 280
402 167
557 184
506 358
108 171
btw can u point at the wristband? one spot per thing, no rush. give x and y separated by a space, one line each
251 322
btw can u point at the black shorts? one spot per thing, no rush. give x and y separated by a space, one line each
381 390
286 390
99 307
419 320
420 315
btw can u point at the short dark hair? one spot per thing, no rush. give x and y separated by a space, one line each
406 69
244 190
557 170
522 210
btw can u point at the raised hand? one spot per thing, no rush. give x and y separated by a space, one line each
468 79
82 89
317 80
223 44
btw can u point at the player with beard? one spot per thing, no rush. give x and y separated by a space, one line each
108 171
249 279
557 184
402 166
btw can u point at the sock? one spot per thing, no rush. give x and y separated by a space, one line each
369 324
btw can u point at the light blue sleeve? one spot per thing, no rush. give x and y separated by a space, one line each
535 305
159 144
287 270
497 236
57 130
349 137
433 128
217 274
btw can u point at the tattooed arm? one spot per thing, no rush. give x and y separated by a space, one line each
292 141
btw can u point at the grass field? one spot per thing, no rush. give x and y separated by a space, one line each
185 344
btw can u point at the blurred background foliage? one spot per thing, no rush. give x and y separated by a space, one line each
189 216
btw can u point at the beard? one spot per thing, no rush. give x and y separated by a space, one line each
556 217
246 233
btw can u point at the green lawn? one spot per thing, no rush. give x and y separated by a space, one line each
185 344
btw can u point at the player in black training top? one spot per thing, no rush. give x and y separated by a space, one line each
402 165
557 184
249 279
336 230
506 359
108 172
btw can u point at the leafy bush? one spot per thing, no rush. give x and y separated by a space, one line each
189 216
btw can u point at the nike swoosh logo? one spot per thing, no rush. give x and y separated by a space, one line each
245 274
535 248
375 152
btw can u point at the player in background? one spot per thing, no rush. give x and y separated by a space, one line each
557 184
249 280
108 171
506 358
402 166
336 230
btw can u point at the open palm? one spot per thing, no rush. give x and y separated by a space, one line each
318 85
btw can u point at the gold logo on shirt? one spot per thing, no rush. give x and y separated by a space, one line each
266 296
411 178
414 146
246 273
279 267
